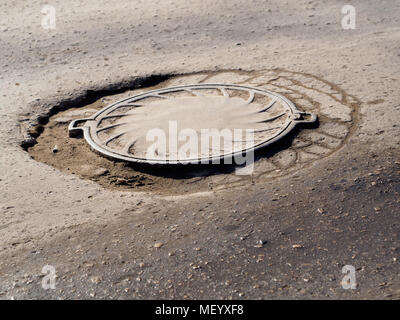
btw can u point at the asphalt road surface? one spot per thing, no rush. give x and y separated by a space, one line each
285 236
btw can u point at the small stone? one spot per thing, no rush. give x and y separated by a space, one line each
96 279
158 245
260 243
297 246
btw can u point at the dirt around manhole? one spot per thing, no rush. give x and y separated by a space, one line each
336 110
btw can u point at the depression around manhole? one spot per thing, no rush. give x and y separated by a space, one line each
205 123
337 113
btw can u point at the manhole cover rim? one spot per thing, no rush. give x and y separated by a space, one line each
295 117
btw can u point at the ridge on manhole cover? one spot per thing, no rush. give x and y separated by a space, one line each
120 130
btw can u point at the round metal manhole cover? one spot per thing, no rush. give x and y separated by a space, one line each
203 123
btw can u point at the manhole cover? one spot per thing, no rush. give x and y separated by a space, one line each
234 119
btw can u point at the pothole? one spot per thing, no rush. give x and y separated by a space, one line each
336 111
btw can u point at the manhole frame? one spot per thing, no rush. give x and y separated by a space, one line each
295 116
